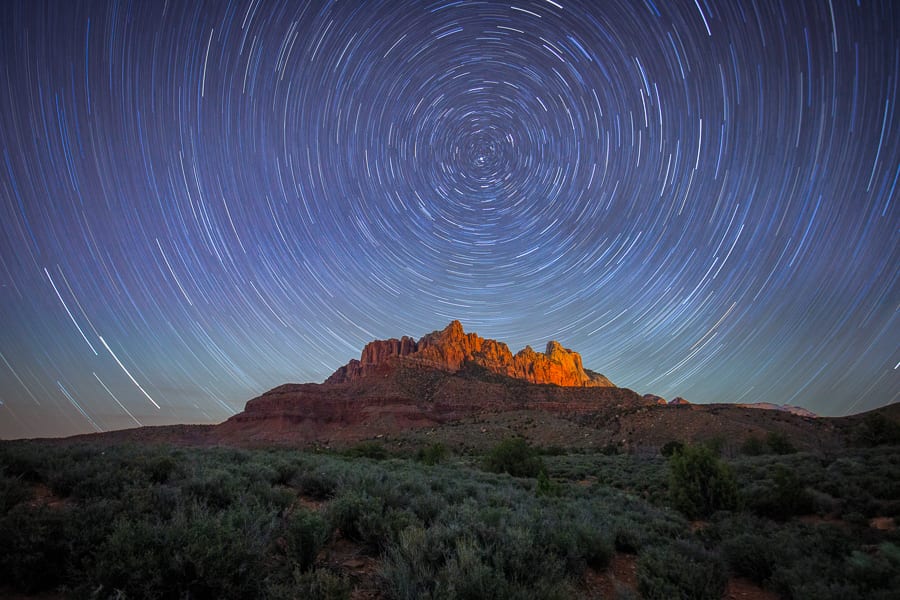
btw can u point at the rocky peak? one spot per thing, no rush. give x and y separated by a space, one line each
450 348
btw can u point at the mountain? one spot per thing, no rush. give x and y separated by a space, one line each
469 392
447 376
452 348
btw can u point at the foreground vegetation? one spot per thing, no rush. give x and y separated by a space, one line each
96 521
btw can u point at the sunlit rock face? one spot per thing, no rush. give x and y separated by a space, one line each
452 348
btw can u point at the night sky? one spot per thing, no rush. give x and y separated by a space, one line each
203 200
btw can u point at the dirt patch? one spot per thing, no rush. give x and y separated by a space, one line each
44 496
820 520
621 574
744 589
883 524
310 503
347 557
698 526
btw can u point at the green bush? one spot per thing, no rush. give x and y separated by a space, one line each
432 455
715 444
372 450
366 519
878 570
670 448
161 467
750 555
786 498
680 571
700 484
315 484
320 584
198 554
34 548
877 430
304 535
610 450
12 491
779 443
753 446
516 457
20 459
580 544
546 486
215 487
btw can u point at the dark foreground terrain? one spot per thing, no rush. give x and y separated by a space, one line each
80 519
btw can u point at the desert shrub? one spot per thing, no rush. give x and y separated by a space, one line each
750 555
514 456
198 554
353 513
878 570
546 486
876 430
135 559
316 483
627 537
715 444
228 549
64 476
610 450
372 450
34 548
365 518
753 446
518 557
554 450
160 467
785 498
12 491
215 487
454 561
671 447
829 569
411 564
102 479
778 443
22 459
320 584
700 484
432 455
579 543
88 526
469 576
427 506
681 570
305 533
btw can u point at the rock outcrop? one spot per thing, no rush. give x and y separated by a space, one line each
655 399
452 348
796 410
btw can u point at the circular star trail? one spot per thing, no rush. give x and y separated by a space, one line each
203 200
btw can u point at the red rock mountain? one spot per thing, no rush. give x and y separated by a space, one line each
452 348
402 385
469 392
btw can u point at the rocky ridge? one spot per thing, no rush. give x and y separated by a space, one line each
452 348
468 391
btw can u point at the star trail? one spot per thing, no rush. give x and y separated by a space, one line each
203 200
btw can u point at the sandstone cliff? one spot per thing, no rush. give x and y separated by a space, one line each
452 348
